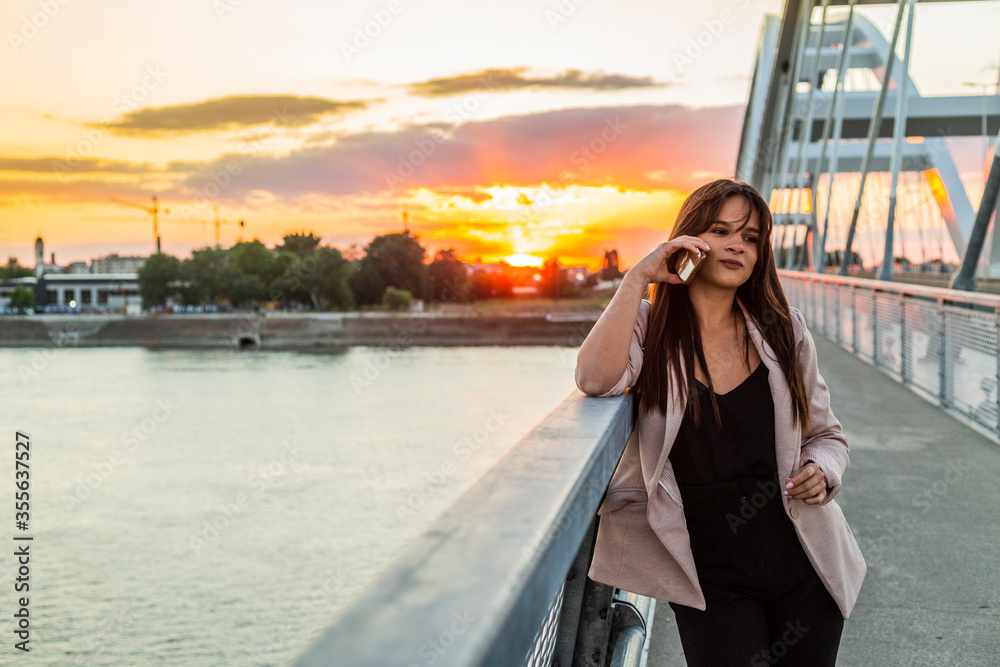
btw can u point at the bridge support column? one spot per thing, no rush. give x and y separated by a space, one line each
805 134
965 278
834 112
873 127
797 25
898 132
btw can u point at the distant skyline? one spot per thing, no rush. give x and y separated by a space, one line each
528 127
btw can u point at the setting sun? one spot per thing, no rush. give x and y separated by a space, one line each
523 259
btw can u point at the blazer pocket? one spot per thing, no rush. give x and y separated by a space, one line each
615 499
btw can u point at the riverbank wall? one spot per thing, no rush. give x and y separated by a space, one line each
295 331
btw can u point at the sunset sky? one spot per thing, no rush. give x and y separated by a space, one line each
472 117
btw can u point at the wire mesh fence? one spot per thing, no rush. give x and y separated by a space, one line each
940 343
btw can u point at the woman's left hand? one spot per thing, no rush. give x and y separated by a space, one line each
808 483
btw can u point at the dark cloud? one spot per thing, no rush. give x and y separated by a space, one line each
649 147
513 79
81 190
73 165
233 112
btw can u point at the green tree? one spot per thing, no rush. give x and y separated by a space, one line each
253 258
321 279
288 287
327 284
22 299
14 270
186 288
366 282
300 244
240 287
204 271
155 277
285 260
447 278
397 299
391 260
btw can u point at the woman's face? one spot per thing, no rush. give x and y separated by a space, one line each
733 255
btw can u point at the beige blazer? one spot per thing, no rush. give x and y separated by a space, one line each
643 544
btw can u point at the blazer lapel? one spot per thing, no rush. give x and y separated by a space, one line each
786 438
674 416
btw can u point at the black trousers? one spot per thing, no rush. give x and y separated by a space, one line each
765 603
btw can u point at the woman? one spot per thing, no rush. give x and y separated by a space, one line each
693 513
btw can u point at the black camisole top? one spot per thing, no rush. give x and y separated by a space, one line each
728 479
742 446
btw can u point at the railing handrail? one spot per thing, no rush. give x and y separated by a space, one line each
991 301
485 573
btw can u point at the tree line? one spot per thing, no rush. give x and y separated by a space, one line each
301 270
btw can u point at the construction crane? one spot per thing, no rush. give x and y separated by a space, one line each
153 211
217 221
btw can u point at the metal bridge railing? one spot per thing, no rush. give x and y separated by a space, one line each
941 343
500 579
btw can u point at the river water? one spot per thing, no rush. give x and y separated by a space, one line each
217 507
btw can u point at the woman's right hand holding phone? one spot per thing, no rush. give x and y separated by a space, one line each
605 353
653 267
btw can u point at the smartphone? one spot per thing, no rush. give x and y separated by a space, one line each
688 265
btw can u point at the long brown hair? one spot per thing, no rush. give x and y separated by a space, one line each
761 294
